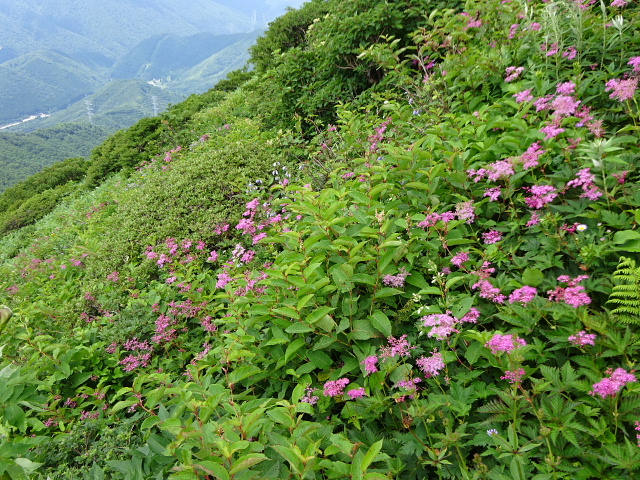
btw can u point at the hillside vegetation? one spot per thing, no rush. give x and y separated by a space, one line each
404 245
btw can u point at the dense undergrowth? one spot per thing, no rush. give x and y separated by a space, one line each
427 272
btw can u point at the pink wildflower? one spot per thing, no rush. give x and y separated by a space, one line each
534 220
635 63
523 96
493 193
309 396
397 347
525 294
541 196
370 364
396 281
460 258
213 256
465 211
609 387
582 338
621 176
566 88
551 50
431 366
531 156
488 291
619 3
551 131
535 26
336 387
564 105
443 324
570 53
622 89
357 393
542 103
471 316
513 377
504 343
492 236
513 73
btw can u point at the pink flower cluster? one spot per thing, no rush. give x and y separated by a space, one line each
464 211
541 195
582 338
492 236
622 90
585 180
335 387
396 281
524 295
370 364
431 366
379 135
459 258
487 290
443 324
573 294
513 377
397 347
513 73
309 396
610 386
504 343
357 393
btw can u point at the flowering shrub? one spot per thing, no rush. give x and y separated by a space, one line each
427 297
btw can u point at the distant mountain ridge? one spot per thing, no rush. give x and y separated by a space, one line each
55 52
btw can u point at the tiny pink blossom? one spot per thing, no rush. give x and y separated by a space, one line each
582 338
357 393
622 89
566 88
525 295
335 387
504 343
431 366
513 377
513 73
523 96
370 364
460 258
491 237
609 387
493 193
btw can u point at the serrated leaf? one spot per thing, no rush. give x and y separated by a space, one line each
381 323
247 461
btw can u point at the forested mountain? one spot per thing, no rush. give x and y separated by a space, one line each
52 53
405 245
24 154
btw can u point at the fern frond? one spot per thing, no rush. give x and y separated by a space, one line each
626 292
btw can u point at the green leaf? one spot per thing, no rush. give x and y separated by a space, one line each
14 416
219 471
371 455
381 323
363 330
293 347
247 461
287 312
318 313
319 359
303 301
245 371
298 328
532 277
